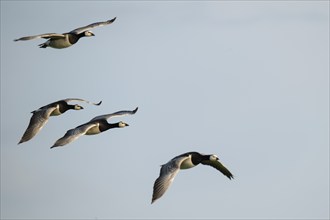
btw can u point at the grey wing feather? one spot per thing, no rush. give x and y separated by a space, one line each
82 100
46 36
37 121
90 26
167 174
217 165
115 114
73 134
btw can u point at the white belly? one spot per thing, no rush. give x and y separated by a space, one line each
93 130
56 112
186 164
60 43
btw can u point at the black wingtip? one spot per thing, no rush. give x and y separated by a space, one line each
43 45
135 110
99 103
22 141
153 199
112 20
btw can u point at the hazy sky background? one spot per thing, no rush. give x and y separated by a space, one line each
246 80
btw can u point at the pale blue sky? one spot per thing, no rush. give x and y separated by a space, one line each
246 80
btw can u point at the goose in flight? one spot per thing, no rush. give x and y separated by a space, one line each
184 161
60 41
95 126
41 115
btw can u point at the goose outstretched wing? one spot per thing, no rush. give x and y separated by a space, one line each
81 100
45 36
37 122
73 134
217 165
167 174
93 25
115 114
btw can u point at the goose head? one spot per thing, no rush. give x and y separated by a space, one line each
213 157
77 107
122 124
89 34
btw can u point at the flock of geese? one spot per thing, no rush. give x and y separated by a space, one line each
100 124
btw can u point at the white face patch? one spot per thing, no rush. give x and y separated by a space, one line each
89 34
213 157
77 107
122 124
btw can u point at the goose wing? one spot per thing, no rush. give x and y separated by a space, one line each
217 165
37 121
115 114
46 36
73 134
81 100
90 26
167 174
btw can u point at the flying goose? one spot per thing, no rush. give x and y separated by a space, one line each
184 161
65 40
95 126
41 115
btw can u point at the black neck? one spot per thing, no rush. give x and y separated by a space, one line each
73 38
81 35
104 125
198 158
63 107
